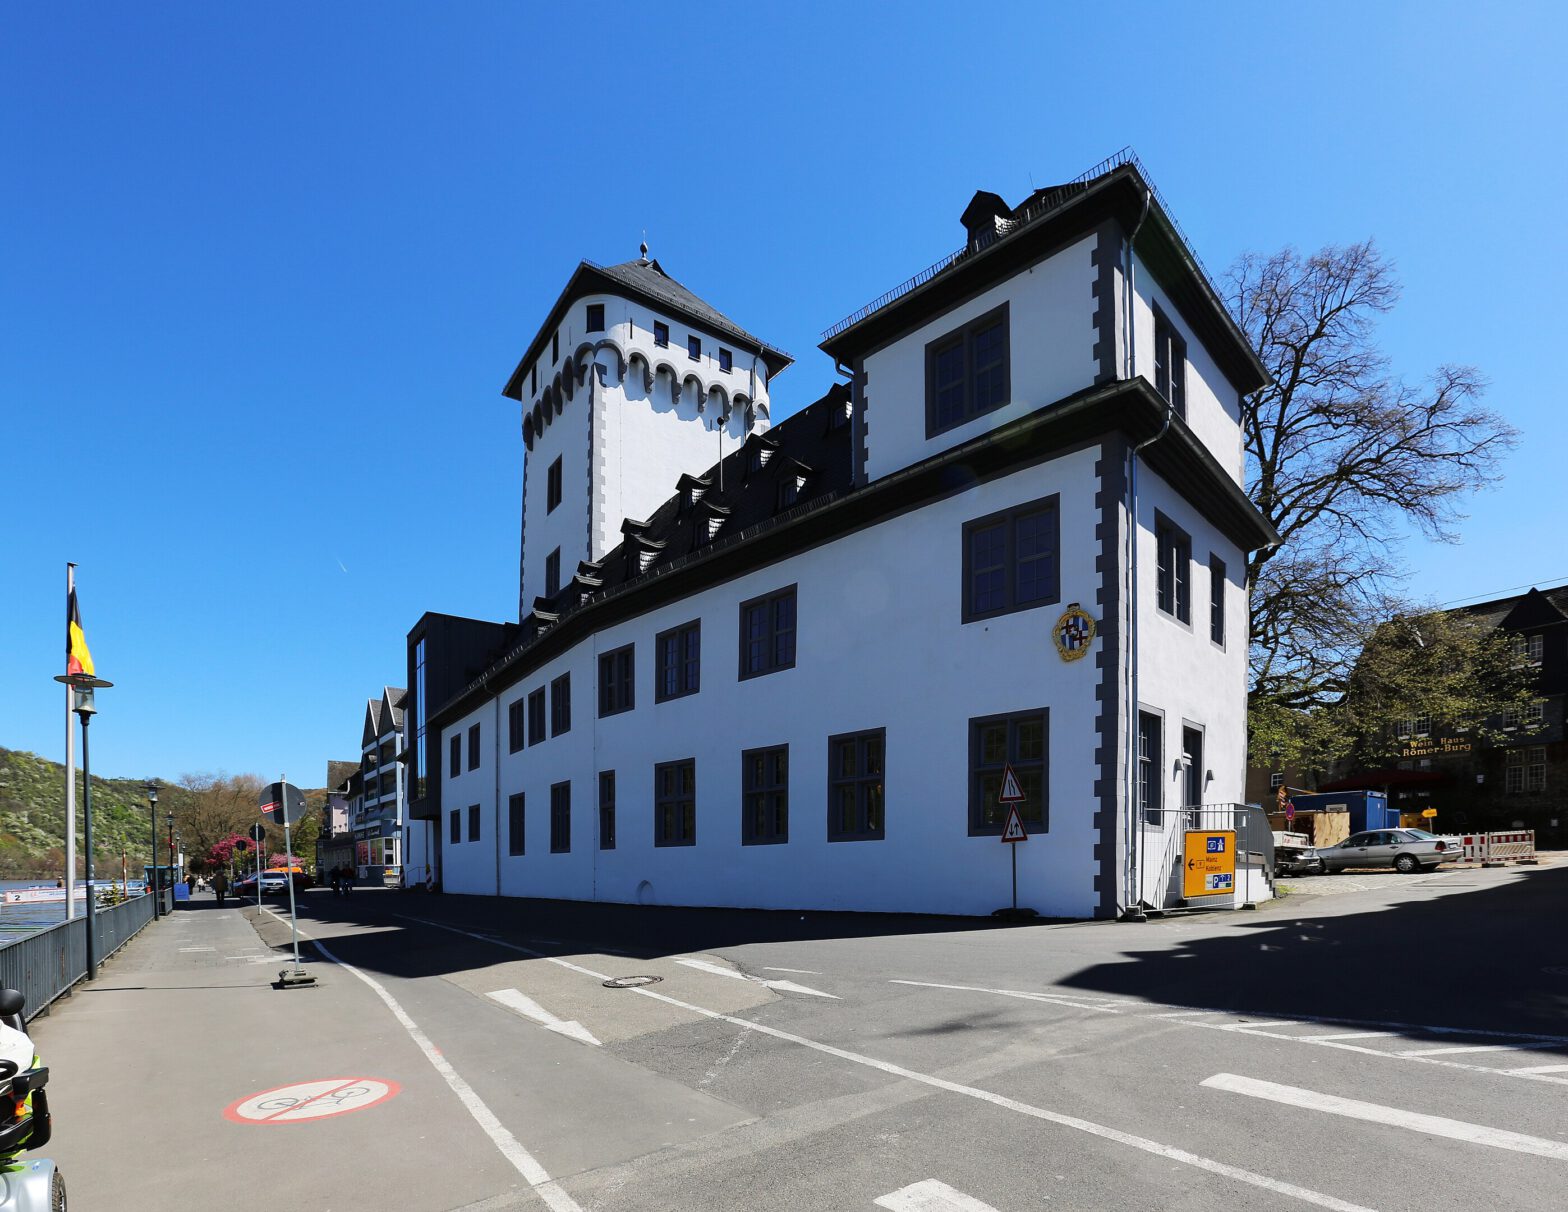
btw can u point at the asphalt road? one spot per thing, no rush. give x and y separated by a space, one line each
1402 1045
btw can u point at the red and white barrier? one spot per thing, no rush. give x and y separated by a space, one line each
1515 846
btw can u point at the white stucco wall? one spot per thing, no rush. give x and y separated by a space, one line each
1051 338
876 610
1213 407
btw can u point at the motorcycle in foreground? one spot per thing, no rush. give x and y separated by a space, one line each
35 1185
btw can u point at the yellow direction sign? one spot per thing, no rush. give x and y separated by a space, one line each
1429 813
1208 863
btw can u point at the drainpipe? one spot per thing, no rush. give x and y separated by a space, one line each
1134 910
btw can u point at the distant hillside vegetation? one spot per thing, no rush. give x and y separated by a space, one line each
32 819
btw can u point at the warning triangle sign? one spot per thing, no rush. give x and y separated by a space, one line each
1012 793
1013 831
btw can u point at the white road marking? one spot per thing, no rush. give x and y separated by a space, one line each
1168 1152
528 1008
1460 1048
1431 1125
797 971
1544 1069
1019 993
183 949
524 1162
785 986
1248 1025
1349 1035
931 1196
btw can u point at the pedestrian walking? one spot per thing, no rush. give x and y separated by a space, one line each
220 887
348 880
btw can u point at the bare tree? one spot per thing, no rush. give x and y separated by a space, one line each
210 807
1346 459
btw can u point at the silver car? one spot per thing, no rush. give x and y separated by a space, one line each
1405 850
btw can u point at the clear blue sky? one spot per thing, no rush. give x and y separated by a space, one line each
266 268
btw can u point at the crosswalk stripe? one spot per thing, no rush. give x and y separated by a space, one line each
1350 1108
931 1196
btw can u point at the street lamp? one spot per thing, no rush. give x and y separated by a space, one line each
152 874
84 684
171 862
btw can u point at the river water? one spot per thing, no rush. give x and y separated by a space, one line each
18 921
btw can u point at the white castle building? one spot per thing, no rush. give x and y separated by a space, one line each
786 665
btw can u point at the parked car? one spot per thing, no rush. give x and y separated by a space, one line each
1405 850
273 883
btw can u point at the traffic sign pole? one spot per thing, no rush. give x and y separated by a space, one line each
285 802
288 867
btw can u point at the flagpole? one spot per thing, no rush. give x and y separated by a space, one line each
70 768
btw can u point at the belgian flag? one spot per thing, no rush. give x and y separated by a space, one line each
77 658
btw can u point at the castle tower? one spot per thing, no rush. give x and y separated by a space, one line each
631 382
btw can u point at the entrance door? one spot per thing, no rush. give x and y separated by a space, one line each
1192 779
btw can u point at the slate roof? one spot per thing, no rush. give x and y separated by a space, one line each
649 282
338 773
1551 605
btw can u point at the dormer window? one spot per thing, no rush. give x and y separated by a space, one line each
596 317
789 490
839 417
726 360
1170 365
661 334
759 457
694 348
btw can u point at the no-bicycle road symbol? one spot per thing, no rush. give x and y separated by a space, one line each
304 1101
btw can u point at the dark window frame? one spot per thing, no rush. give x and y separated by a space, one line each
1008 519
685 663
1151 766
593 321
454 755
1172 570
606 810
770 637
473 747
1034 823
561 704
552 573
561 817
676 799
537 717
555 347
475 829
516 825
455 827
1216 600
661 334
617 680
861 780
771 790
1194 783
552 486
516 726
693 347
964 336
1170 363
726 360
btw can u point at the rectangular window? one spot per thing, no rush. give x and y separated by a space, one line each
1535 769
767 634
606 810
968 372
1217 600
1194 776
764 796
455 756
561 705
473 747
454 827
661 334
555 347
616 690
789 492
675 803
533 379
1535 713
694 348
678 653
1170 364
473 822
1513 772
420 769
856 792
995 743
1010 560
552 488
596 317
1173 569
1151 784
536 716
1527 647
560 817
726 360
514 726
515 820
552 573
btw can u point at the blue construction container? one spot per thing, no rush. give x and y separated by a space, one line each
1368 809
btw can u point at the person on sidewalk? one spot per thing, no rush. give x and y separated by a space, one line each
220 887
336 878
347 882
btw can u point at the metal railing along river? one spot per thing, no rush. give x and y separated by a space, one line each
45 964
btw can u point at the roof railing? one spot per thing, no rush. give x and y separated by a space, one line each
1048 201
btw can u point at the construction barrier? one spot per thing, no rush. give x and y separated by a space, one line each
1517 846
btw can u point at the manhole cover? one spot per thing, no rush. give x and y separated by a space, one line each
631 982
1555 971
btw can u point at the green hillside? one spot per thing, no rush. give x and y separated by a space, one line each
32 818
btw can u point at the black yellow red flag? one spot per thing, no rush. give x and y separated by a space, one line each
77 658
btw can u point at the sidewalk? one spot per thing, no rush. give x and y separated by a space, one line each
148 1062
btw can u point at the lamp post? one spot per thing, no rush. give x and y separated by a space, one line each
152 808
170 819
84 684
